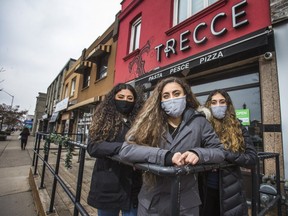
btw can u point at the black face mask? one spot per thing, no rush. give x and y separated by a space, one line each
124 107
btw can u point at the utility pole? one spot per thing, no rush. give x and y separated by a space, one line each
9 95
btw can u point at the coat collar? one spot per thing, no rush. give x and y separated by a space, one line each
188 115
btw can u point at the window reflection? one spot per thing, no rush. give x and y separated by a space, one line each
243 98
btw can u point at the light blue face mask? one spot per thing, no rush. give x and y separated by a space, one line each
174 107
219 111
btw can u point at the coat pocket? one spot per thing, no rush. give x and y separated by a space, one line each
107 181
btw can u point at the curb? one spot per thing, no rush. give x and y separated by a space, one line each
41 196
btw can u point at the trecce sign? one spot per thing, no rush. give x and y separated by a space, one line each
238 14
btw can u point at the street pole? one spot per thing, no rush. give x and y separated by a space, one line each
9 95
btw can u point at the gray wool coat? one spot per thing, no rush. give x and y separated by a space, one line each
195 134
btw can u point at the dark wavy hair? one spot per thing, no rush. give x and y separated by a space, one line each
107 121
229 128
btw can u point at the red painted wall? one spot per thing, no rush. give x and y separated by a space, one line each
157 28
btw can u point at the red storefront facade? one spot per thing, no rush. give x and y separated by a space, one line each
229 44
164 47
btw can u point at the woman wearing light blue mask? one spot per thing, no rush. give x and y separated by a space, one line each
226 185
170 131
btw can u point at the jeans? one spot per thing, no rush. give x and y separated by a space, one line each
115 212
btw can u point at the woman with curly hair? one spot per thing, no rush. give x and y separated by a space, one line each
170 131
114 186
223 193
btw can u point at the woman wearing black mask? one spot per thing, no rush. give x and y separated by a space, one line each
114 186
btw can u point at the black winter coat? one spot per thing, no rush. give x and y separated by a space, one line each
113 185
231 188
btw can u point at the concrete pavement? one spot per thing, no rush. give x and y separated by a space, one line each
15 192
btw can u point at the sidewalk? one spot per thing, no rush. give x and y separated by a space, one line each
15 192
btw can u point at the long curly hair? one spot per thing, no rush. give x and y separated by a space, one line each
106 120
151 121
229 128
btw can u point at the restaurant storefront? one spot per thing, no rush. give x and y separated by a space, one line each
223 46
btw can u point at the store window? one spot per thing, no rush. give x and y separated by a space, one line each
244 91
135 35
73 85
66 91
86 78
102 65
184 9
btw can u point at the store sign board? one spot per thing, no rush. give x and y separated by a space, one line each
253 42
210 31
62 105
243 115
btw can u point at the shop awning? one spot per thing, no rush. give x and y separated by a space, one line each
54 117
99 50
83 66
83 103
248 46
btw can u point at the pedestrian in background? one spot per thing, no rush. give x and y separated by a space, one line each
24 137
224 191
170 131
114 186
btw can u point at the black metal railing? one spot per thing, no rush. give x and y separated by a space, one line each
177 172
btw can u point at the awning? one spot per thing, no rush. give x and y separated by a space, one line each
99 50
54 117
85 102
83 66
248 46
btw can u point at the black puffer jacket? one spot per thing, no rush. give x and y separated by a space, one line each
231 188
113 185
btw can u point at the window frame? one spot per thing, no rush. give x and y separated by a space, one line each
73 86
189 10
135 35
86 78
103 60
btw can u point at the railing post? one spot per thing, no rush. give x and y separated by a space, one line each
254 192
37 153
79 180
278 184
51 208
175 196
46 156
35 144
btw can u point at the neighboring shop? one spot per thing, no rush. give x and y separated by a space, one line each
57 122
83 124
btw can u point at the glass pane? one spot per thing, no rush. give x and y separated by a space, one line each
197 5
249 99
182 10
235 81
212 1
137 35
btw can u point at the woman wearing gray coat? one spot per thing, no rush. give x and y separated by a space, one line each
169 131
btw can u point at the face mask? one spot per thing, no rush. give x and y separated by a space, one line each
219 111
124 107
174 107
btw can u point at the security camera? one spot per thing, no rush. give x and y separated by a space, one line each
268 55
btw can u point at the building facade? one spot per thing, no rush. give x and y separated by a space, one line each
54 103
86 83
235 45
38 113
225 44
